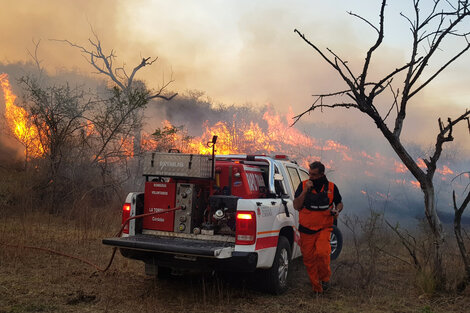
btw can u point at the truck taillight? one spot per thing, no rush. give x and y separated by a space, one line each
245 229
126 213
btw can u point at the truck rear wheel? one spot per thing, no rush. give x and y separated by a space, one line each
275 280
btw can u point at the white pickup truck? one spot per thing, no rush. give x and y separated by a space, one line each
223 213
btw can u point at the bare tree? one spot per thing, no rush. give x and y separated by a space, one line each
104 64
429 30
131 91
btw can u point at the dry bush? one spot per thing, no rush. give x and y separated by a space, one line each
378 256
455 270
365 242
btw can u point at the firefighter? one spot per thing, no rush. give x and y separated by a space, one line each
319 203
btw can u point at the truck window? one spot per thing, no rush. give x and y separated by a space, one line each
279 185
294 178
303 175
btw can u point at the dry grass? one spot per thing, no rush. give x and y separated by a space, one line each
34 281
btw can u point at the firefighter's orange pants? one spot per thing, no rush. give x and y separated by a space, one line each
316 250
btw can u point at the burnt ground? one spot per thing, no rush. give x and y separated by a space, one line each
35 281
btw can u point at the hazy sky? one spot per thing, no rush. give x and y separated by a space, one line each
237 52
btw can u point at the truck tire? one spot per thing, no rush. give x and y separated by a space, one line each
275 280
336 242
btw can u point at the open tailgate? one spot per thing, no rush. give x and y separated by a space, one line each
174 245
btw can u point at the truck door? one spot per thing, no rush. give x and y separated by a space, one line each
294 180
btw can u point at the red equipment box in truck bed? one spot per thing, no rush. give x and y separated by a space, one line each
241 180
159 196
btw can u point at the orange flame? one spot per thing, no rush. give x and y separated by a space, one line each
249 138
445 171
19 123
382 195
127 147
421 164
242 137
89 128
415 184
400 167
148 143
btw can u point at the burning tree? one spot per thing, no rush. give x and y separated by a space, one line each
57 115
169 137
24 131
427 29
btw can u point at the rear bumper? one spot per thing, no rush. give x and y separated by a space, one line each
185 253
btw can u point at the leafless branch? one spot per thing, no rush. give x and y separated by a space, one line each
344 64
103 63
318 104
439 71
393 256
392 74
35 56
436 45
364 20
394 104
445 135
375 46
316 48
410 246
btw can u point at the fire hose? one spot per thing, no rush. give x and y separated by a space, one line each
84 260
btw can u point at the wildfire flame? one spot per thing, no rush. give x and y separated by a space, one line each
400 167
421 164
237 137
19 122
445 171
415 184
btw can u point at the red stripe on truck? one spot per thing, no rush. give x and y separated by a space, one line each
266 242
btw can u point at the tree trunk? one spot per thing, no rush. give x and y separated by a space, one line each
438 235
460 241
427 187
